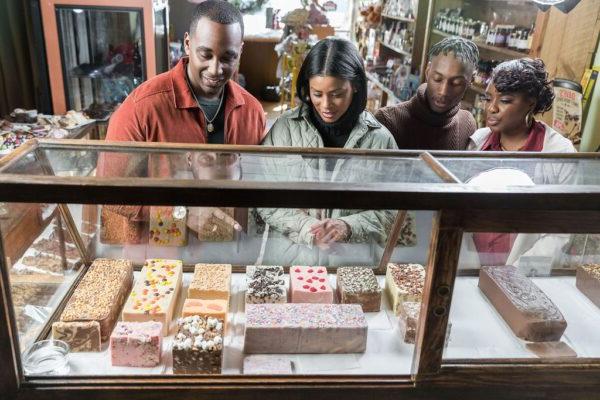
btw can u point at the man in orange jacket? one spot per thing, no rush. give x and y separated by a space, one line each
196 101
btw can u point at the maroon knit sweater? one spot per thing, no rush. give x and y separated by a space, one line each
415 126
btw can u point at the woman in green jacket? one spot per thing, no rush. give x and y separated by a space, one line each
332 87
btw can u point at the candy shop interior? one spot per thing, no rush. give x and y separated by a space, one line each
148 259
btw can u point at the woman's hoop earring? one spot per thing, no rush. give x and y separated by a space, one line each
529 119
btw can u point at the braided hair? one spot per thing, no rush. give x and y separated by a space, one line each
463 49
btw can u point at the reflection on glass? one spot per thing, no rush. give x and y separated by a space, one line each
103 56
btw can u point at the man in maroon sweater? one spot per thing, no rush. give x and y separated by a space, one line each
432 119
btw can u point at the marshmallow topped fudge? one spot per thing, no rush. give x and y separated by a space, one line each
136 344
310 285
358 285
198 346
155 292
587 280
98 297
265 285
527 310
211 281
305 328
404 282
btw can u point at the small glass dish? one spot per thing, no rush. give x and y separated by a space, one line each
47 357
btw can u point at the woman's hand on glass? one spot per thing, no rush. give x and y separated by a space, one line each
329 231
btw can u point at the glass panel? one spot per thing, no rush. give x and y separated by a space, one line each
540 171
265 167
365 334
537 296
102 54
43 263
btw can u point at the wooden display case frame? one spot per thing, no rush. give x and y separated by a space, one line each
543 208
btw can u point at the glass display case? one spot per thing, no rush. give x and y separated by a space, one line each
99 51
245 270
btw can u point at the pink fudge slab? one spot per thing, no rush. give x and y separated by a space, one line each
305 328
260 364
136 344
310 285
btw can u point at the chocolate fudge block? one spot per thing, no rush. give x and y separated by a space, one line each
526 309
81 336
265 285
100 294
136 344
198 346
267 365
211 281
587 280
404 282
305 328
155 293
358 285
167 228
408 320
310 285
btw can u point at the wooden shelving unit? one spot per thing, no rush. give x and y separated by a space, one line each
502 51
396 49
385 89
411 20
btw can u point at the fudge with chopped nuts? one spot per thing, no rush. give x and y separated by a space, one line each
404 282
211 281
358 285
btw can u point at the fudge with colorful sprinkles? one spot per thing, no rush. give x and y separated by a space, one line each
198 346
155 293
305 328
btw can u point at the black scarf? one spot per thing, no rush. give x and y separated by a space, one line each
336 134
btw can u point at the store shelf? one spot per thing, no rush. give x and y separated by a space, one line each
395 49
411 20
507 53
388 91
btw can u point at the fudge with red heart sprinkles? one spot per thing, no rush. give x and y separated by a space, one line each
310 285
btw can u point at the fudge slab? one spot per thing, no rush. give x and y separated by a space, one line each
136 344
587 280
198 346
526 309
211 281
80 335
310 285
408 321
165 229
265 285
100 294
215 308
155 292
267 365
358 285
305 328
404 282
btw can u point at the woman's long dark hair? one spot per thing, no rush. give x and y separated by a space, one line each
334 57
